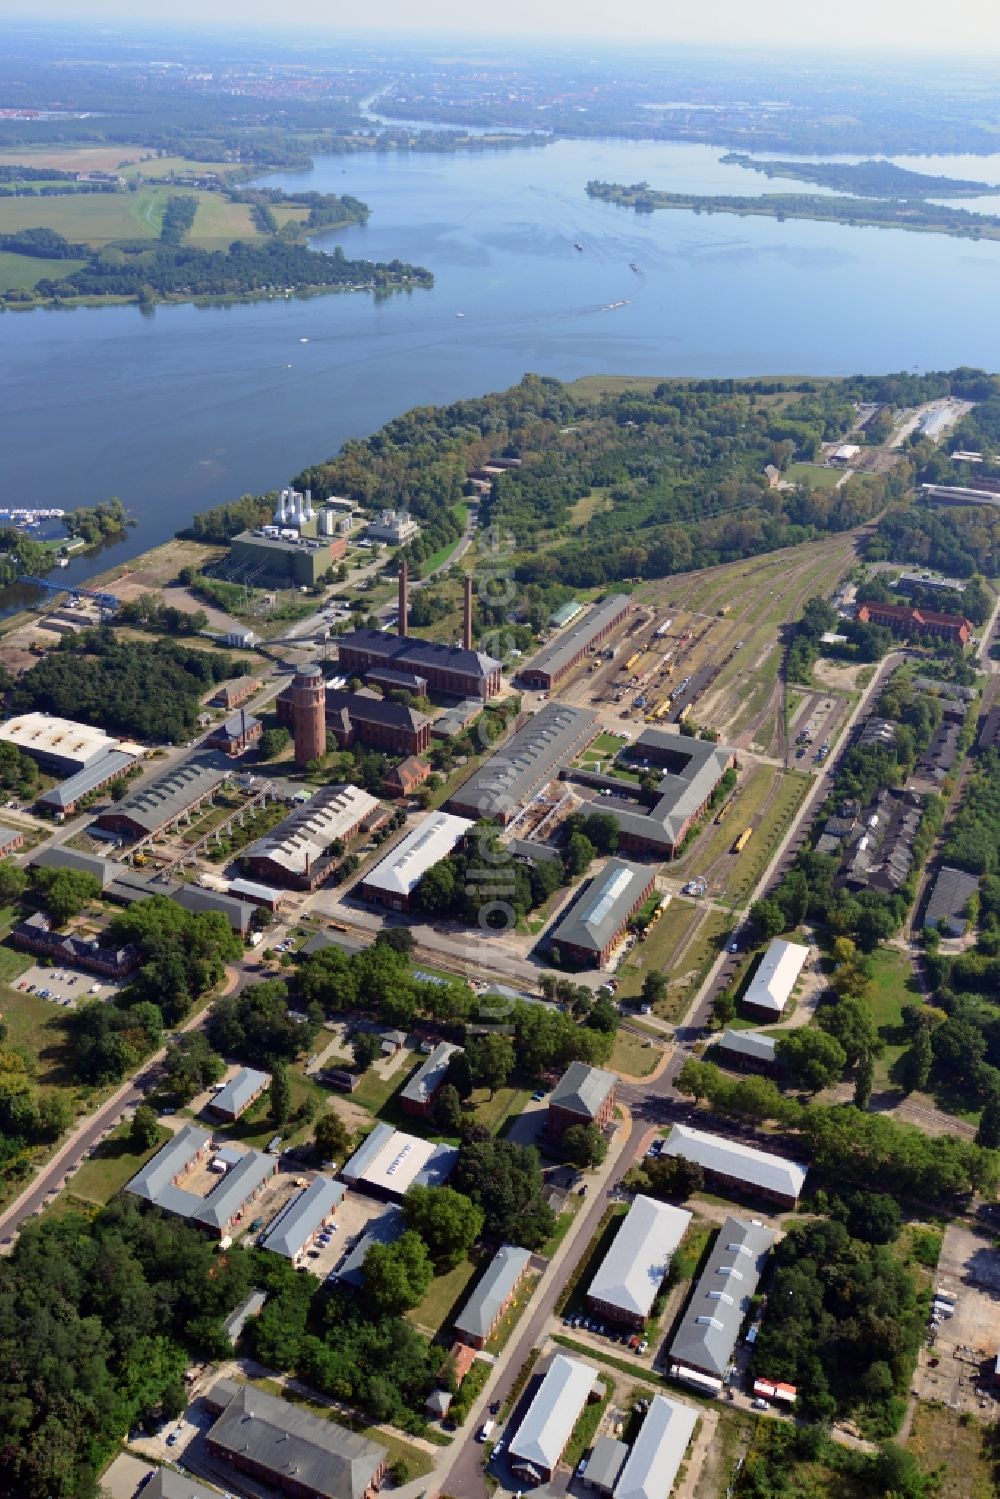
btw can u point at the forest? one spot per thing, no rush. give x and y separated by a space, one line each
867 179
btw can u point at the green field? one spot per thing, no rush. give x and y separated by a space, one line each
633 1056
25 271
659 952
446 1295
112 1164
100 218
813 474
892 987
35 1024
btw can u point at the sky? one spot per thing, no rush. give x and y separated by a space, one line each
970 27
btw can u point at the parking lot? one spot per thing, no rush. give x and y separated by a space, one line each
62 986
963 1344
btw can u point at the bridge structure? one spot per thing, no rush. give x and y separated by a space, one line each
108 603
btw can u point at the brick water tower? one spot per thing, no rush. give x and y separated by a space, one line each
309 714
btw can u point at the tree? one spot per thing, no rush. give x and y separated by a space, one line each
505 1180
852 1024
448 1110
673 1178
459 1075
435 892
272 742
578 854
988 1133
281 1093
584 1146
812 1058
331 1137
767 919
190 1065
492 1060
365 1049
654 987
915 1063
145 1129
13 883
864 1080
399 938
448 1222
397 1275
873 1217
256 1026
65 892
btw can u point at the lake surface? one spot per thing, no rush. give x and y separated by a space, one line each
192 406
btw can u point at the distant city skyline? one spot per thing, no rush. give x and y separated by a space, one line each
966 27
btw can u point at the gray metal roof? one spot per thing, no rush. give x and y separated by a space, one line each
234 1190
636 1264
367 1151
776 976
952 891
235 726
194 898
582 1089
172 794
427 1079
115 762
493 1291
753 1044
385 1229
756 1168
251 1306
158 1173
606 1462
419 655
9 834
721 1299
561 652
284 1439
155 1182
437 1168
552 1414
681 792
302 838
598 915
68 858
168 1483
532 757
240 1091
657 1451
300 1218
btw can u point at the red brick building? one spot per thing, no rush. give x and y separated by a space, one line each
407 776
583 1095
910 623
362 717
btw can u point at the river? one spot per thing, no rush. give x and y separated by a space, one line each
191 406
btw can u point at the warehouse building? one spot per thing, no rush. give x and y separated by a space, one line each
296 853
284 561
750 1051
103 870
525 765
633 1270
58 744
394 879
242 1176
770 989
298 1453
702 1349
595 923
738 1167
458 671
239 1093
583 1095
693 770
481 1314
304 1217
658 1450
131 885
65 798
417 1098
557 659
538 1443
389 1162
170 799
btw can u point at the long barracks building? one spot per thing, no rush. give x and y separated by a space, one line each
452 669
560 656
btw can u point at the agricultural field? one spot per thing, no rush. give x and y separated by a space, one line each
17 271
69 158
99 219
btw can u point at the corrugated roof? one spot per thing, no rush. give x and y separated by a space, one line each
658 1450
530 758
720 1302
757 1168
582 1089
284 1439
300 1218
634 1268
240 1091
115 762
302 838
427 1079
771 986
558 654
435 837
552 1414
751 1044
493 1291
169 797
599 914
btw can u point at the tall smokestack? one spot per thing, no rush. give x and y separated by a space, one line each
467 616
404 601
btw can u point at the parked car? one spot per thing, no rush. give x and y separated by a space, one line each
759 1404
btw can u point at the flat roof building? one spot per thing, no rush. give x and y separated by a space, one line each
633 1270
480 1315
771 987
394 878
591 929
385 1229
703 1345
297 1452
80 863
557 659
523 766
159 1182
731 1164
296 853
238 1094
658 1450
283 561
167 800
58 743
583 1095
418 1096
64 799
389 1162
538 1443
300 1220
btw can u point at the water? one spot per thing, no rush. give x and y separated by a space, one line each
193 406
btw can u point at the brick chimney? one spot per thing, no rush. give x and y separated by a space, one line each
404 601
467 614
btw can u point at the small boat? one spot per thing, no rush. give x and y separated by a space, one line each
577 245
460 314
303 340
62 562
633 267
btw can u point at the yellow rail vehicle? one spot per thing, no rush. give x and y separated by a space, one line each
742 840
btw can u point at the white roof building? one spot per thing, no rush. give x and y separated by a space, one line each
389 1162
58 741
634 1268
399 873
657 1451
548 1425
771 987
728 1160
300 841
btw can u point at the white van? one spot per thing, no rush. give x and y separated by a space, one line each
486 1431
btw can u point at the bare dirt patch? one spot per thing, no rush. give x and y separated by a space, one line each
832 674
